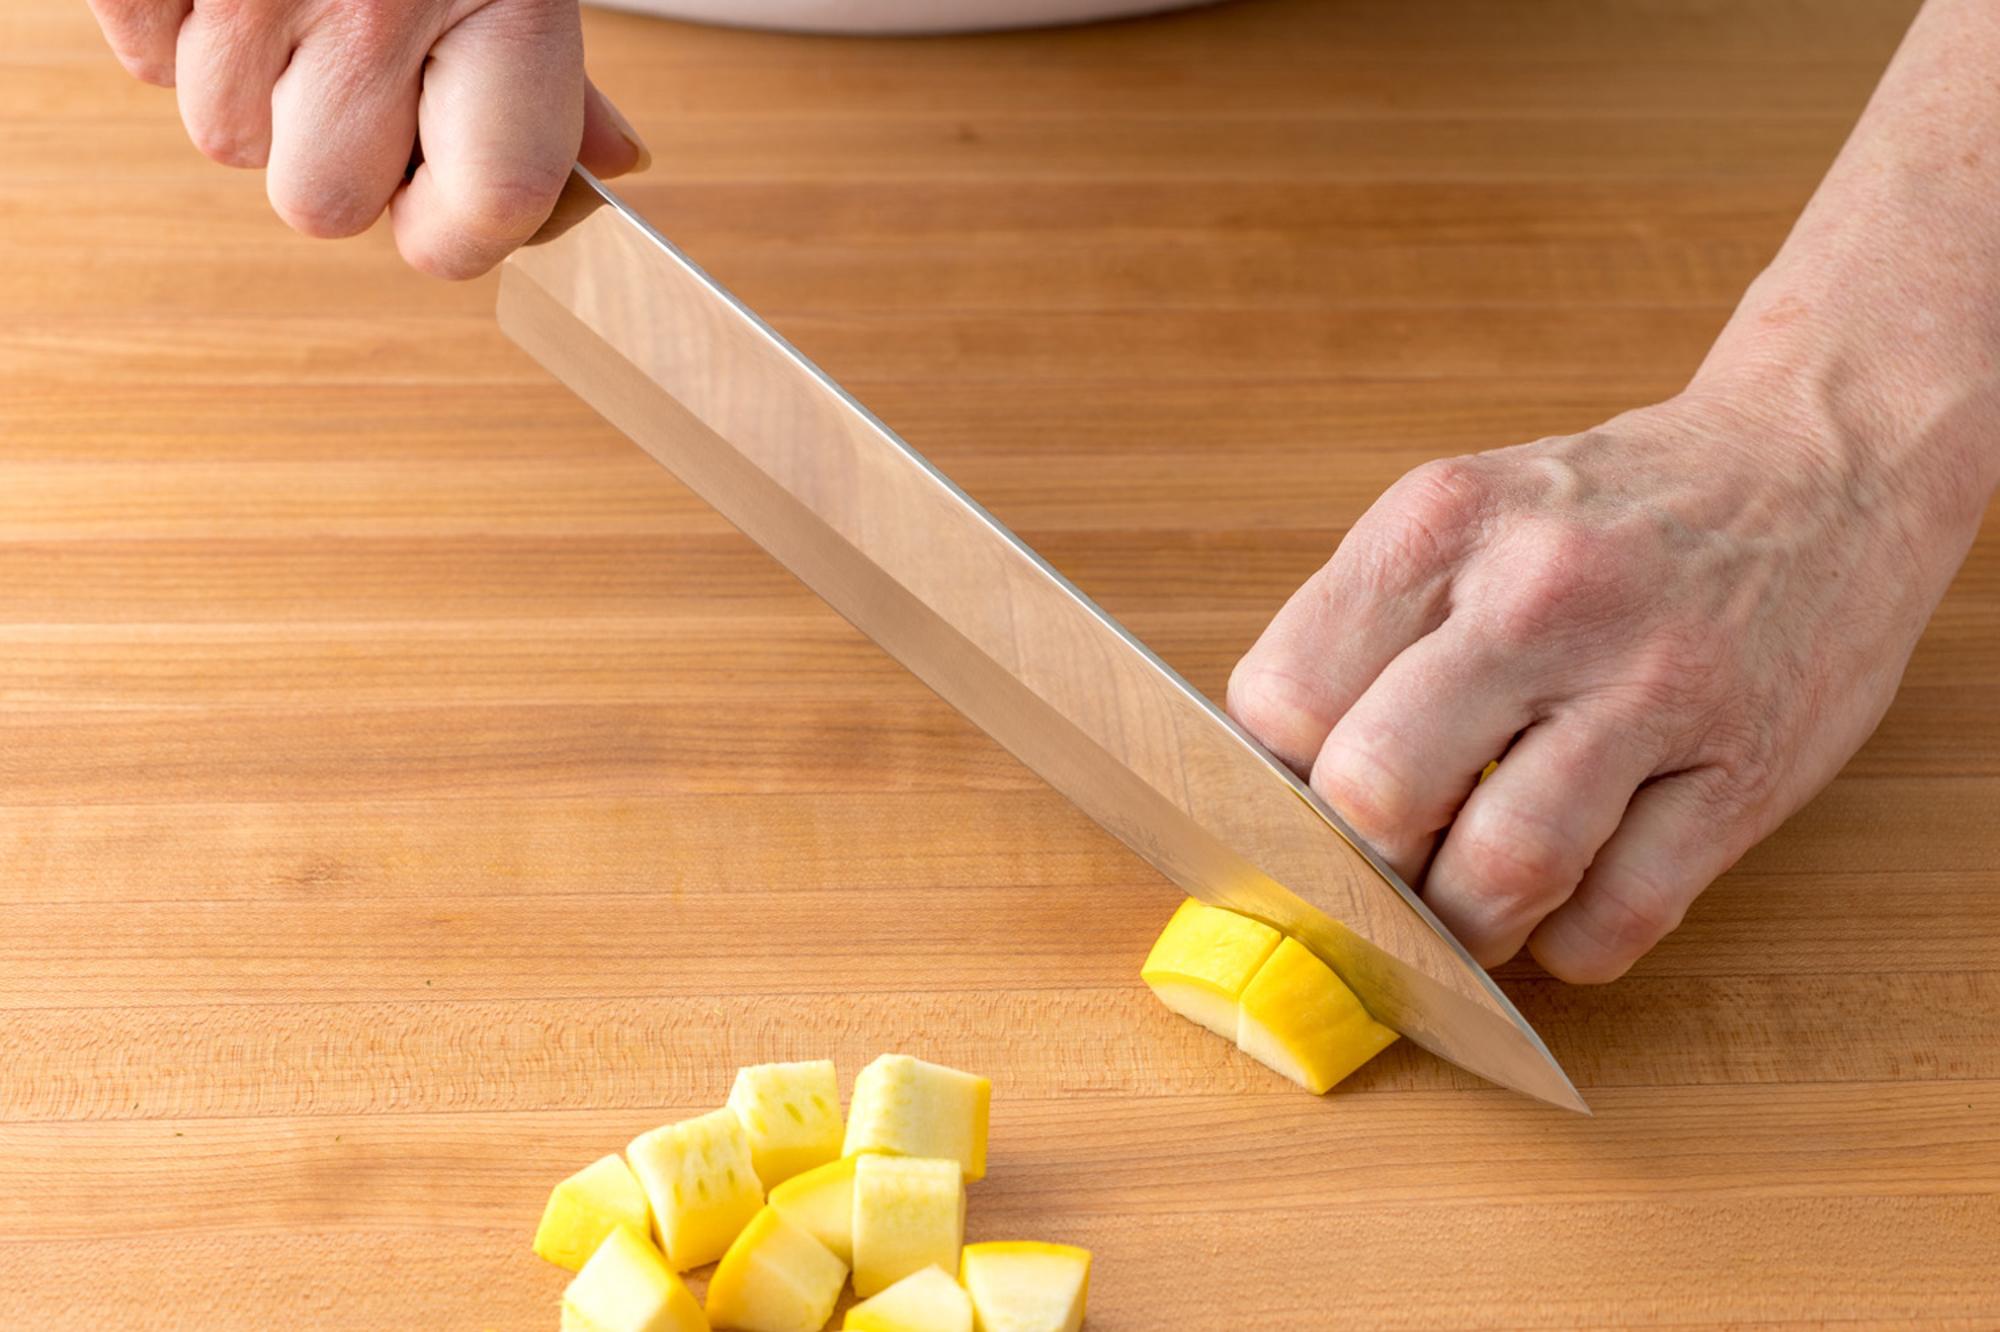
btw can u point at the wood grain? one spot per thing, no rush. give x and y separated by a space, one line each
408 793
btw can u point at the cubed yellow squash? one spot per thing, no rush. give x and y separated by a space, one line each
626 1286
1018 1286
791 1113
909 1214
775 1278
1300 1019
821 1201
701 1183
1203 959
926 1301
907 1107
586 1207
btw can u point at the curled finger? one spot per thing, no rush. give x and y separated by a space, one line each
1526 836
143 34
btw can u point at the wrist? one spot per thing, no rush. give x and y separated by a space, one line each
1909 442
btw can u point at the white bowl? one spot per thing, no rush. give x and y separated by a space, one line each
895 16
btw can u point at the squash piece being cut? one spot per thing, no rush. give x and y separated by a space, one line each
1017 1286
791 1113
906 1107
586 1207
1203 959
775 1278
626 1286
1300 1019
926 1301
701 1183
909 1213
821 1202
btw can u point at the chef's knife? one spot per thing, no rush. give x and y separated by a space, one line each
635 329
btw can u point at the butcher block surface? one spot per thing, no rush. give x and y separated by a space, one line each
408 792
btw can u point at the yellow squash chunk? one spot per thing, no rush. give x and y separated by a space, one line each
628 1287
701 1183
1203 959
821 1202
586 1207
926 1301
909 1213
906 1107
1298 1018
791 1113
1026 1287
775 1278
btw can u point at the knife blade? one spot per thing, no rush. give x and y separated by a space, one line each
697 380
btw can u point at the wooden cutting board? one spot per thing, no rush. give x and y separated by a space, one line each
408 792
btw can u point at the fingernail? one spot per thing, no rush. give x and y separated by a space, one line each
643 156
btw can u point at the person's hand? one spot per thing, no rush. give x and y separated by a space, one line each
332 97
1672 631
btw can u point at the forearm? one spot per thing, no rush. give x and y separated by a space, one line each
1879 321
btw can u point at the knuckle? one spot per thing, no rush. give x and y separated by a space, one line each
1737 783
1578 968
326 214
484 219
1421 522
439 262
149 69
1273 705
1629 912
1562 579
1667 689
1446 490
367 30
508 206
1677 669
1514 870
1520 858
1380 804
228 144
232 15
236 33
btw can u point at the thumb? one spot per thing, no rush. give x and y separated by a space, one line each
611 147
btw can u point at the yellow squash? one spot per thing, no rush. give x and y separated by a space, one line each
821 1202
586 1207
907 1107
701 1183
791 1113
628 1287
1019 1286
926 1301
909 1213
1300 1019
1203 959
775 1278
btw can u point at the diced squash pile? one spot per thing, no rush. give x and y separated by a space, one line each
1271 995
789 1200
